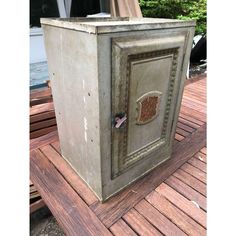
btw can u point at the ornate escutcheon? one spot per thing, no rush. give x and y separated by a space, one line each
148 107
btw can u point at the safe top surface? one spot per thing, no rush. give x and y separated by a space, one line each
121 24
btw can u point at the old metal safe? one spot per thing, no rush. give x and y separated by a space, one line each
117 85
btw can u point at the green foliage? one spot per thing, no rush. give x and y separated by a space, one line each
177 9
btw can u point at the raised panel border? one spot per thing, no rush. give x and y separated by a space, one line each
144 151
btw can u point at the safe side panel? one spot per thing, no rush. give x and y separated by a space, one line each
73 74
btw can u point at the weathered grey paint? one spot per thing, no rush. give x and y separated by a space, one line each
102 67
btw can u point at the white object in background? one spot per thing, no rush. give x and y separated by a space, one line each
196 39
67 7
101 14
61 8
37 50
187 74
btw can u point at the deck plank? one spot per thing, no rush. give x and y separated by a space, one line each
163 224
189 123
43 124
198 164
200 156
69 174
190 100
188 207
187 191
58 195
185 127
42 108
43 131
140 224
42 116
204 150
44 140
40 93
191 93
183 221
179 137
191 119
36 205
200 79
56 146
182 132
120 228
193 113
194 172
193 105
191 181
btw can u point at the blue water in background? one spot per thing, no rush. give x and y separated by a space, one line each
38 73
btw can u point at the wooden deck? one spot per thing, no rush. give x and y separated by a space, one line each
171 200
42 114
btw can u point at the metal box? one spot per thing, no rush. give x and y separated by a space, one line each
117 85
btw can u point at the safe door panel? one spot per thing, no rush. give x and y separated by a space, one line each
147 95
145 75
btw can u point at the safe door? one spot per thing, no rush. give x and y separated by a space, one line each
146 75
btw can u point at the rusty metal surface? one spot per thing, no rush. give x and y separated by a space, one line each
148 109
